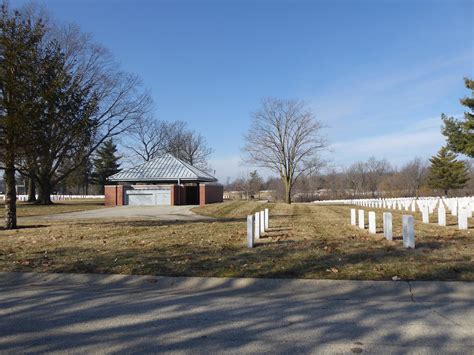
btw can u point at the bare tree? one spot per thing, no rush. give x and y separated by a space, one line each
357 176
187 145
376 170
284 137
87 103
413 174
148 139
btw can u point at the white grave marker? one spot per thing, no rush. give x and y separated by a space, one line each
462 219
361 219
387 226
425 214
257 225
353 217
408 232
441 215
266 219
372 224
250 232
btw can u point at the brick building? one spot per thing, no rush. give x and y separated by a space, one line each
165 180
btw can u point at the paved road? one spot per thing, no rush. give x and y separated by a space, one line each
134 314
164 213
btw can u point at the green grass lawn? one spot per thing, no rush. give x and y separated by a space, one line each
304 241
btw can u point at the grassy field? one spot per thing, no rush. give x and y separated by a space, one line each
25 209
305 241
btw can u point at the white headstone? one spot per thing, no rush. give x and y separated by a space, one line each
250 231
361 219
425 214
257 225
266 219
387 226
408 232
353 217
413 206
462 219
441 215
262 222
372 223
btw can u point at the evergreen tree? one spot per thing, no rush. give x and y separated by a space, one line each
19 42
106 163
446 172
255 183
459 133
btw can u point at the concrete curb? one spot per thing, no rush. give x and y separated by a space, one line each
399 291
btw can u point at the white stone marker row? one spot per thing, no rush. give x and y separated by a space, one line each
256 226
407 220
460 207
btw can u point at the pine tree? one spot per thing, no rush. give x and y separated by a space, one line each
459 133
446 172
106 163
19 42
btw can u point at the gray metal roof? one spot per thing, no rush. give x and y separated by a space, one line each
163 168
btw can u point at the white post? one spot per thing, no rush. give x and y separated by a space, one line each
425 215
361 219
266 219
408 232
262 222
372 224
454 209
257 226
353 217
462 219
441 215
250 232
387 226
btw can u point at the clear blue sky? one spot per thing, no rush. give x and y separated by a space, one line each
377 73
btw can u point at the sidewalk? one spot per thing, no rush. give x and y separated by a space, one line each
108 313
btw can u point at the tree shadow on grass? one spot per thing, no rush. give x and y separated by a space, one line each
30 226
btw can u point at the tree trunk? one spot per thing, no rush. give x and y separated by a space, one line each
287 192
10 191
31 190
44 192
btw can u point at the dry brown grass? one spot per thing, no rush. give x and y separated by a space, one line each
305 241
25 209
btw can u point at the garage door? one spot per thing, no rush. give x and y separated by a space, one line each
148 197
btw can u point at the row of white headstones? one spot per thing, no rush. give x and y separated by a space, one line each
408 226
59 197
463 207
257 225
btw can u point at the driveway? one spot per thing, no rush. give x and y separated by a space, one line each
67 313
162 213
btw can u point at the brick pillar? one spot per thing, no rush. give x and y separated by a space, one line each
110 192
114 195
202 194
120 195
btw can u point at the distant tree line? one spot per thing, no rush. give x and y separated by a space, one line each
270 145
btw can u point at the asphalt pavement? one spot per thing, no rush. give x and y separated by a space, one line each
66 313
